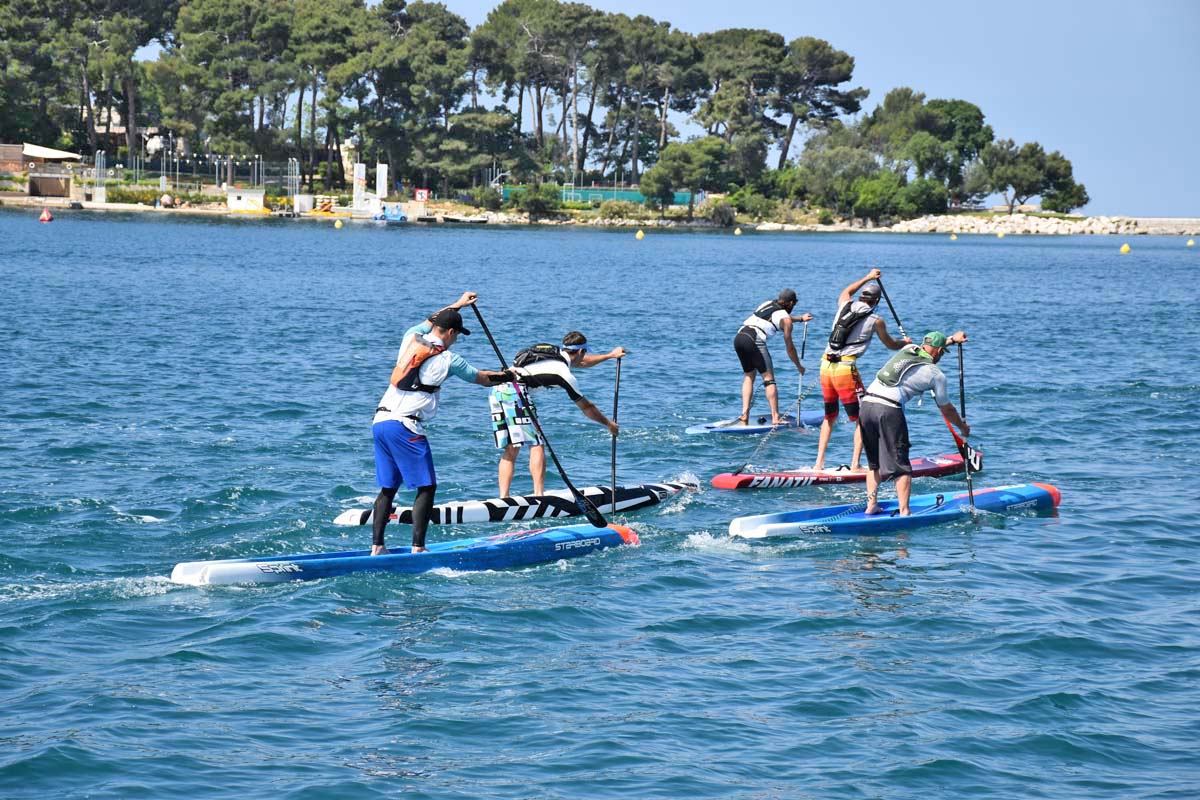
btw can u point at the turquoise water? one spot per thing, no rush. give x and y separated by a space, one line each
194 389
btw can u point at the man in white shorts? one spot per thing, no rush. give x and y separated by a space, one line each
542 366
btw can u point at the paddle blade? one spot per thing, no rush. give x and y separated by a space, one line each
590 511
971 457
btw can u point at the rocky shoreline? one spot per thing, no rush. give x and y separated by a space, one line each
1027 224
1016 224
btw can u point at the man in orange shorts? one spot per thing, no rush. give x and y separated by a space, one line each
853 326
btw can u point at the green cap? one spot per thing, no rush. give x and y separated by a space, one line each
935 339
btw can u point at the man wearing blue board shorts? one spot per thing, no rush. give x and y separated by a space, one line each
541 366
909 373
402 452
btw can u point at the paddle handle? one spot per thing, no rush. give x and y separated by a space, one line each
891 307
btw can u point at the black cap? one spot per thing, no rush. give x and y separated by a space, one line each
787 296
449 319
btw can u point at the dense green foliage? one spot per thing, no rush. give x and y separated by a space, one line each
542 90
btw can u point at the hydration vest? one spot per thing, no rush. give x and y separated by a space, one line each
767 309
536 353
410 381
846 320
906 358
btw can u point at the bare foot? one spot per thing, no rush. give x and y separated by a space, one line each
818 467
858 468
420 550
743 420
378 550
872 509
775 423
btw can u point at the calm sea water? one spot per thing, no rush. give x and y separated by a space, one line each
190 389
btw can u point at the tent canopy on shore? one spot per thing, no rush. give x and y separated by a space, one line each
48 153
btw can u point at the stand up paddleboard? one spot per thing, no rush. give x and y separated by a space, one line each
503 551
557 503
762 424
926 509
931 467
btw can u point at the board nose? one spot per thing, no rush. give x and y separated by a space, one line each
628 535
1055 494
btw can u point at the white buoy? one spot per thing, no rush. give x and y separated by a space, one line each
639 235
337 224
1191 243
737 231
954 237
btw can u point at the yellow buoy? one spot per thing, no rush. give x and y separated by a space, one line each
737 231
1191 243
1125 248
639 235
337 224
999 234
954 237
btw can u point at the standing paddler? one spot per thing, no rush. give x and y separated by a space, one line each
853 326
541 366
750 344
402 452
912 371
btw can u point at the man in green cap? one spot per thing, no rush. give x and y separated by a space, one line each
912 371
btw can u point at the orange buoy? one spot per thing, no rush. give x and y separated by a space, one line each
46 215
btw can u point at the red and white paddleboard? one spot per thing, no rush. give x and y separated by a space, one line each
930 467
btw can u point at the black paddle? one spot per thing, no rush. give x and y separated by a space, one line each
616 397
966 448
590 511
891 307
800 392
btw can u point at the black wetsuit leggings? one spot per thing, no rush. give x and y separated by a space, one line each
422 506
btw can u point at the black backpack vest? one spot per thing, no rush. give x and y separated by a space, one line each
536 353
847 319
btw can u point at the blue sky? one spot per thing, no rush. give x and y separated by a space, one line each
1114 85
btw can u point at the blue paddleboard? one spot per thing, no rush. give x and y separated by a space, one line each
502 551
926 509
809 418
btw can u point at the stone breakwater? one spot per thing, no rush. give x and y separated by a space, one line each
1052 226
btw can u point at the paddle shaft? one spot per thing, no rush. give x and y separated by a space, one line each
616 397
891 307
590 511
800 391
966 450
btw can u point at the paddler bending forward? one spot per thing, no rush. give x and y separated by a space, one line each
884 428
401 449
750 344
542 366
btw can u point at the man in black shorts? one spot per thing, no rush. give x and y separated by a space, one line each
911 372
750 344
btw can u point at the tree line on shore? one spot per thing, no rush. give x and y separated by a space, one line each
541 91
